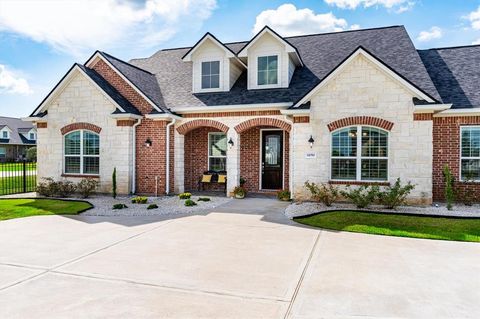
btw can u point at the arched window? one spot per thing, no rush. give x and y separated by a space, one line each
82 153
359 153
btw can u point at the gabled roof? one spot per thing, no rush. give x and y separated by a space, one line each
16 127
141 80
208 36
123 105
455 71
382 65
321 53
267 29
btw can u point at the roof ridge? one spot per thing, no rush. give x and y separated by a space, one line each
120 60
453 47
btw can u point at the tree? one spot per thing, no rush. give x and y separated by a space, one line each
32 154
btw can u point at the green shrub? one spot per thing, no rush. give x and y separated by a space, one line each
394 196
152 206
114 183
139 200
65 188
323 193
449 193
190 202
362 196
283 195
204 199
119 206
87 187
185 195
239 192
48 187
32 154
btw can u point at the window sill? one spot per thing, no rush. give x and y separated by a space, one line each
81 175
359 183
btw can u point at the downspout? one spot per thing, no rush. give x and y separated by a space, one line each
167 175
134 154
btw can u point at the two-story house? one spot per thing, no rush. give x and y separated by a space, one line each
355 107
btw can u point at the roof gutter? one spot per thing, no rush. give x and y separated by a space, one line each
34 119
431 108
233 107
163 116
126 116
459 112
296 112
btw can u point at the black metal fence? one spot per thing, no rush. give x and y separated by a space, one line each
18 177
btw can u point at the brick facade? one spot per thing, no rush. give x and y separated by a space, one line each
446 151
196 158
126 122
301 119
250 157
80 126
262 121
360 120
150 161
191 125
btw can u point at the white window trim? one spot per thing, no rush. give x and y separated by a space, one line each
463 157
279 70
211 156
30 136
81 155
359 156
8 134
198 77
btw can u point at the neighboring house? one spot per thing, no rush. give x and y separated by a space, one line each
16 136
356 107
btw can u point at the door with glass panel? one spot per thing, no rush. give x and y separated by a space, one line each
272 159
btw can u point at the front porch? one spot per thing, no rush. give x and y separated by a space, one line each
256 150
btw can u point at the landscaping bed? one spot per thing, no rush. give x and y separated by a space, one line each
394 224
25 207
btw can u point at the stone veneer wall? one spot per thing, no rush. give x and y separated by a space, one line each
446 150
362 89
81 102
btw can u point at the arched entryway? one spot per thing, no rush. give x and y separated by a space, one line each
264 154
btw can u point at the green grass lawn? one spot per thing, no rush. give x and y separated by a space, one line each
460 229
16 167
13 185
16 208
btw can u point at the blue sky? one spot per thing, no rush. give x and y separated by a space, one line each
40 40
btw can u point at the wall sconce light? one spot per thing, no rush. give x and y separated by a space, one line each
148 143
311 141
230 142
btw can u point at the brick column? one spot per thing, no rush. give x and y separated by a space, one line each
179 162
233 161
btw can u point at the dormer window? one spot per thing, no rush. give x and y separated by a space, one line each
32 136
267 73
210 75
4 134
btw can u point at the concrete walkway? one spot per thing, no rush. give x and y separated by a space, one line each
244 260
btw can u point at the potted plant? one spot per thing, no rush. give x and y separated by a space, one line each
283 195
242 181
239 192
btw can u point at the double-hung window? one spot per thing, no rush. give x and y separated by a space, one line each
82 153
32 136
217 151
4 134
267 70
359 153
211 75
470 153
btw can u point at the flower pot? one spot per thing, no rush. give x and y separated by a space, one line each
239 196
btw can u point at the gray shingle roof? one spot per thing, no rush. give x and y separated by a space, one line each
16 126
456 73
142 79
320 53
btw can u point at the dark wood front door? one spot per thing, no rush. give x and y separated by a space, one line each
272 159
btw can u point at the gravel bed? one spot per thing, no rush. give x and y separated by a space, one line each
166 205
440 209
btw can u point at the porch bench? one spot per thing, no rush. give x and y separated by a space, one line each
214 179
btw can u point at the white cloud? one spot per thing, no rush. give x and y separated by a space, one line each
474 18
476 42
287 20
79 26
354 27
10 82
402 5
431 34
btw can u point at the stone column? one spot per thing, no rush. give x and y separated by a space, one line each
179 165
233 161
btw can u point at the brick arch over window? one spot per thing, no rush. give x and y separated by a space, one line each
191 125
80 126
360 120
262 121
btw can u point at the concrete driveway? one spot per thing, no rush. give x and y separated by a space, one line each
244 260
